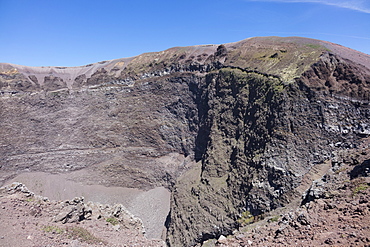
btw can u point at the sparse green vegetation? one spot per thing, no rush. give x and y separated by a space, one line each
317 47
274 219
314 46
278 87
83 235
359 188
112 220
74 233
246 218
53 229
55 93
358 185
340 170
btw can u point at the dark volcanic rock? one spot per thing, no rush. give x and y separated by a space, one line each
256 120
335 215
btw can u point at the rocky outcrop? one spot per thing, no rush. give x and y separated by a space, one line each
76 210
331 212
251 120
73 211
337 76
36 220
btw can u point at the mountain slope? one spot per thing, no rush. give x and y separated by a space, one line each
247 121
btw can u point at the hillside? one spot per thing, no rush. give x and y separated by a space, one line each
233 131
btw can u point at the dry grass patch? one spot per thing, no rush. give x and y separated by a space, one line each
84 235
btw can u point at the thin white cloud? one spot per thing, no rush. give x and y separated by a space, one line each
359 5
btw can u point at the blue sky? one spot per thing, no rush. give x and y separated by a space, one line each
79 32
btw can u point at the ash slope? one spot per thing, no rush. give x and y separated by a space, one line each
32 220
246 121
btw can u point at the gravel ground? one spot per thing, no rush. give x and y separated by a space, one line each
150 206
29 220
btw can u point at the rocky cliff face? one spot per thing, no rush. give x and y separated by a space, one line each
250 119
263 137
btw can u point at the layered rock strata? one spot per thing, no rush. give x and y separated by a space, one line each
250 120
